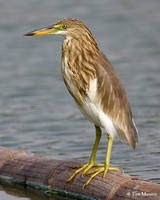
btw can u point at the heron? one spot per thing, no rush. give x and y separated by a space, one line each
96 88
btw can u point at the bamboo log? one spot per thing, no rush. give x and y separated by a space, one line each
51 176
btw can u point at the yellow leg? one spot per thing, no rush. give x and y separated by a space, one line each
104 167
91 163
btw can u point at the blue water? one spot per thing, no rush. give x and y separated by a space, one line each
36 111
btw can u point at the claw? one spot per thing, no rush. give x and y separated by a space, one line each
85 167
100 170
95 172
79 166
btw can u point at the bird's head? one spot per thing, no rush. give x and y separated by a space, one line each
69 28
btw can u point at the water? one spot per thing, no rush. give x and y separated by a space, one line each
36 111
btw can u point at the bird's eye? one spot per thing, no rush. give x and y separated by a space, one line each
64 26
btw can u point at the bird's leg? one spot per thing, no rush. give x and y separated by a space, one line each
91 163
108 155
94 151
105 167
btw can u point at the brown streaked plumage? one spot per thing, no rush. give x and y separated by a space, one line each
95 87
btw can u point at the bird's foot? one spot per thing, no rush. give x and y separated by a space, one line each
85 167
103 169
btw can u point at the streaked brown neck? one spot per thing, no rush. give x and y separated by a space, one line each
79 59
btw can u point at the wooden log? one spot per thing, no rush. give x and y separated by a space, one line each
51 176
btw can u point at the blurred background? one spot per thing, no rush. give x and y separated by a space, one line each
36 111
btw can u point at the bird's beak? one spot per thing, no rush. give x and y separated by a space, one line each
44 31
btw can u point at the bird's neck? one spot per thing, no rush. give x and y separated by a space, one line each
78 66
80 49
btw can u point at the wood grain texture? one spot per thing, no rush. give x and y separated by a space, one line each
29 168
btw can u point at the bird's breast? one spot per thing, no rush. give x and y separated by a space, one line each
91 106
83 93
67 75
73 81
